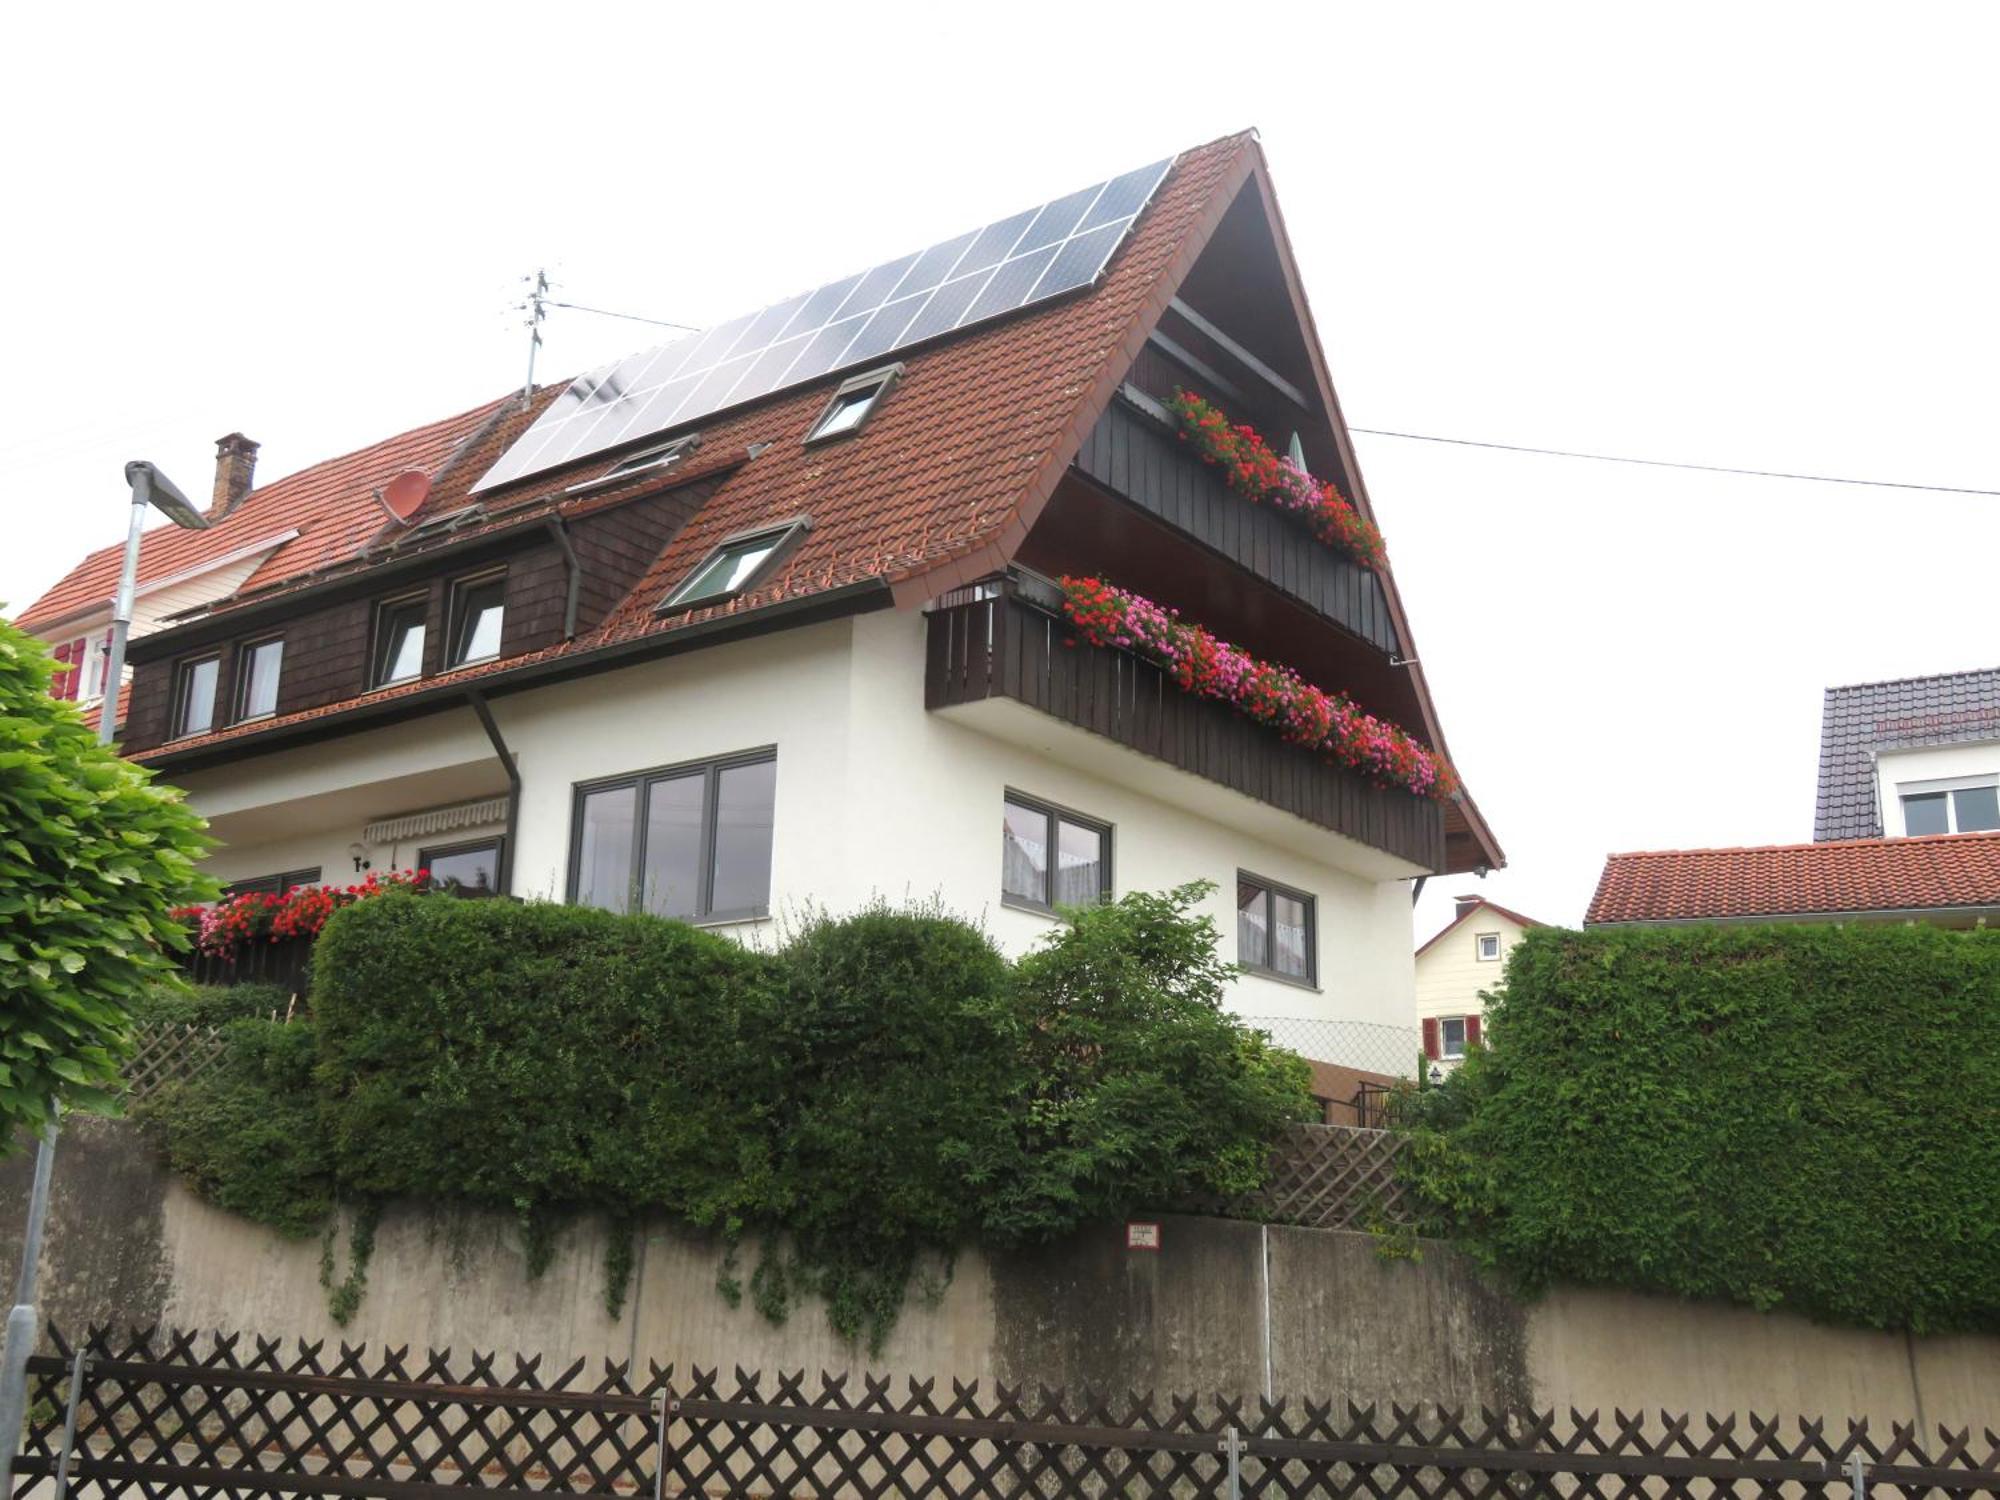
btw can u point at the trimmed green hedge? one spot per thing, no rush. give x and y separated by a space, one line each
883 1088
1803 1116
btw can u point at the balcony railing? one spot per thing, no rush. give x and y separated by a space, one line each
1000 644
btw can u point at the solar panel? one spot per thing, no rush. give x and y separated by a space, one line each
984 273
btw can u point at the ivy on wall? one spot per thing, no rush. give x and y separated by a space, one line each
882 1089
1801 1116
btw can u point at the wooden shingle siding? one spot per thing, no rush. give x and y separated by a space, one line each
617 546
1008 648
1129 454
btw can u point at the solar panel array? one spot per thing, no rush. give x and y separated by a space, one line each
1025 258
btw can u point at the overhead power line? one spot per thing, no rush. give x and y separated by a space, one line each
1663 463
605 312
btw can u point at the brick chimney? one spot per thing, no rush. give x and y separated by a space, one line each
1465 904
235 471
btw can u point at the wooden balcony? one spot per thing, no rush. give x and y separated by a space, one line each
1009 647
1132 454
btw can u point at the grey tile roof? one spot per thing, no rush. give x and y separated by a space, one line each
1871 716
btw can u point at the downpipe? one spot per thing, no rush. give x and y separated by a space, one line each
23 1324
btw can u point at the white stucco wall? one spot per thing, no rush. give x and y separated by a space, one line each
1896 770
876 797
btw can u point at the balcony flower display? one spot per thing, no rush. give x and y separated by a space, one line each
1205 665
235 922
1263 476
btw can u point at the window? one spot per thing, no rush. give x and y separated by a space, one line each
1964 809
478 608
1274 930
1451 1036
1489 946
272 885
399 640
80 668
194 696
689 841
464 869
853 403
732 567
257 679
1051 858
645 461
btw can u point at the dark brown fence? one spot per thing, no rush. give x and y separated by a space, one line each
222 1416
285 963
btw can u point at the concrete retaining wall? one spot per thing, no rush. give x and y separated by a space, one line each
1221 1306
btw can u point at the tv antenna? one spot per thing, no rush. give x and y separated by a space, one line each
536 307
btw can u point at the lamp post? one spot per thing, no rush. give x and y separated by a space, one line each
149 487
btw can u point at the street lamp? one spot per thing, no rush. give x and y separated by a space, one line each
149 487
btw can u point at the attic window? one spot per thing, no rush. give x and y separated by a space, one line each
853 403
653 457
733 566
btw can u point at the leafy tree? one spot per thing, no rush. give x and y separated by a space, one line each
94 856
1137 1087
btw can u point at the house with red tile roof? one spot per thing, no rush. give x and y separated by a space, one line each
933 582
1906 828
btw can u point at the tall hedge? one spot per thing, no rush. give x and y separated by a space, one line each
1803 1116
882 1088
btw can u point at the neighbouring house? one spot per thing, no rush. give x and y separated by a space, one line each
1906 827
864 595
1454 970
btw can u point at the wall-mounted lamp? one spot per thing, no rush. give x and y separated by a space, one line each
361 860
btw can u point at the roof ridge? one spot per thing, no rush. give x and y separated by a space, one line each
1849 687
1880 840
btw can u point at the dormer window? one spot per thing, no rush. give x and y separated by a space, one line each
478 610
399 640
1961 808
734 566
257 678
647 460
194 696
853 403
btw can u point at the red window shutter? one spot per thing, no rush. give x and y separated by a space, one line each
1472 1031
1431 1049
63 684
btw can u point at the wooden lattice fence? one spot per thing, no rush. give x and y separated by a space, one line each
167 1053
222 1415
1334 1177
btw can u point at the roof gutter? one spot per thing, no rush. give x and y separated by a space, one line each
504 877
559 530
807 609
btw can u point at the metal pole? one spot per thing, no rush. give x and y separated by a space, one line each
1232 1445
21 1322
1855 1478
660 1451
121 613
69 1419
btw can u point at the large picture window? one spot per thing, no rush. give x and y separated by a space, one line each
690 841
1275 930
1051 858
464 869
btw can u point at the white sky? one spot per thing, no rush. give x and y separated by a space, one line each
1750 234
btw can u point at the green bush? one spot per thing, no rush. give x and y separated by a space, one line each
180 1004
1799 1116
884 1088
94 857
247 1134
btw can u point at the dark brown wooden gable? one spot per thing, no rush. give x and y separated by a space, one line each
617 545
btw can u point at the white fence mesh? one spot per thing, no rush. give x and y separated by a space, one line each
1346 1044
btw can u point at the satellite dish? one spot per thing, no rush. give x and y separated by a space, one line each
405 495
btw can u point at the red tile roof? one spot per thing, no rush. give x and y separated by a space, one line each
1855 876
331 505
